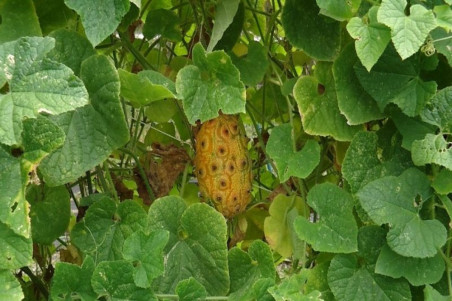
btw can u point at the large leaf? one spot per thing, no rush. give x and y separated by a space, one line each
339 10
36 85
92 132
432 149
371 38
40 137
146 251
350 282
71 280
418 271
353 101
246 269
278 227
99 17
10 287
114 280
16 250
145 87
253 65
162 22
71 49
19 19
439 110
431 294
336 231
211 84
408 31
190 289
316 99
105 227
306 29
225 11
395 81
290 163
50 212
197 245
362 164
396 200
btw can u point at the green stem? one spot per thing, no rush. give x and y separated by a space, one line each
139 57
184 180
110 183
141 172
36 281
100 176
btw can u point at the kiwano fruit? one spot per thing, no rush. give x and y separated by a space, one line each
223 165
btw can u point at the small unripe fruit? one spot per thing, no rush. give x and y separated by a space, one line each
223 165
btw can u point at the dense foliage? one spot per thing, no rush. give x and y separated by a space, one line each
348 108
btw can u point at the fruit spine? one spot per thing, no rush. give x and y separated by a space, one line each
223 165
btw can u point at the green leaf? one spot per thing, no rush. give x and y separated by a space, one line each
371 38
234 30
114 280
19 19
316 35
92 132
418 271
370 240
13 207
411 128
16 250
211 84
99 17
339 10
50 212
54 15
162 22
245 269
353 101
196 247
190 289
71 281
431 294
10 288
40 137
408 32
349 282
398 81
432 149
36 85
225 11
439 110
253 65
317 281
316 99
336 231
291 288
417 238
278 227
146 251
289 163
362 164
105 227
443 16
145 87
443 182
396 200
71 49
441 42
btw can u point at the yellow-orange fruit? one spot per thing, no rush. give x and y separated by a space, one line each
223 165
